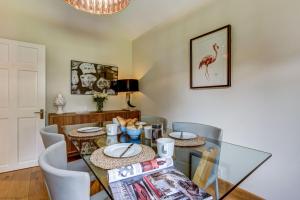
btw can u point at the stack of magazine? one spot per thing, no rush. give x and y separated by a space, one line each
153 180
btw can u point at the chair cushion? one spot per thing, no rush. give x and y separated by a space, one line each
80 165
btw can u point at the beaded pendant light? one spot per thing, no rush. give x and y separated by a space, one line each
101 7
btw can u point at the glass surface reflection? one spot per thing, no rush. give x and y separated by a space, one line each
231 164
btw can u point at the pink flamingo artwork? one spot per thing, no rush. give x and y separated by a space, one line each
208 60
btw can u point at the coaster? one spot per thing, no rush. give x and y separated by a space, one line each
99 159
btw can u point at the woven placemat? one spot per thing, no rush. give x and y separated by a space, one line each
75 134
99 159
198 141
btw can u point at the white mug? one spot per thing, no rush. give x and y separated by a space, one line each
165 147
112 129
148 132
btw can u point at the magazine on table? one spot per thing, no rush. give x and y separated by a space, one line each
153 180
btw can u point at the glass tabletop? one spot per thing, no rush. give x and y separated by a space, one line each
232 165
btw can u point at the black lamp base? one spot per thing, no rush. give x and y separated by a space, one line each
129 105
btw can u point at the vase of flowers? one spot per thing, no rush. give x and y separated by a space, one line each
100 98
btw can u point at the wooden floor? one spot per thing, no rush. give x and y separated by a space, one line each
28 184
236 194
23 185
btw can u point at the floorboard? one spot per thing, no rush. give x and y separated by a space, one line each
5 180
16 185
37 188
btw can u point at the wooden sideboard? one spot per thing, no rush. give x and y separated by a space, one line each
91 117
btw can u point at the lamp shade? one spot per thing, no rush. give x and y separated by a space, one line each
128 85
101 7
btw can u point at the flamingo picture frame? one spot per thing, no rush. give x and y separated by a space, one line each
210 59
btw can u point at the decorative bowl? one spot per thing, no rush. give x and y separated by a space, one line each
134 133
123 129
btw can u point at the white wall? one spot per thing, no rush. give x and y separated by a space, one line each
64 43
261 110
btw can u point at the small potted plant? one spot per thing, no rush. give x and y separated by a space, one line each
100 98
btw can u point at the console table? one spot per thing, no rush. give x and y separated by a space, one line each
90 117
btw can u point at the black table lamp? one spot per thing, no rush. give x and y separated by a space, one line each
128 86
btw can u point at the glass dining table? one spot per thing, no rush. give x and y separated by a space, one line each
235 162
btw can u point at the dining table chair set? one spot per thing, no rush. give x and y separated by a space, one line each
71 180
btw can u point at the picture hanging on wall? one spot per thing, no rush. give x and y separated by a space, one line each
210 59
88 78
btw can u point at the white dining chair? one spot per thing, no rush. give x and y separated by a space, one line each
214 136
64 184
51 136
155 120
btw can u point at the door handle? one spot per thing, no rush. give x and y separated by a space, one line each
41 112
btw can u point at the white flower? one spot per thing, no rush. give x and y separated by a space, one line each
103 95
100 96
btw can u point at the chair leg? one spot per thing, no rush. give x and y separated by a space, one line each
216 184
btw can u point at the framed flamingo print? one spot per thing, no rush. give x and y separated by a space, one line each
210 59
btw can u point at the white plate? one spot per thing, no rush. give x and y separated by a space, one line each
185 135
89 129
116 150
141 123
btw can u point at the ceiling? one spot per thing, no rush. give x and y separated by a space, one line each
138 18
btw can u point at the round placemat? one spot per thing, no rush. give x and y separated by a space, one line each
99 159
75 134
198 141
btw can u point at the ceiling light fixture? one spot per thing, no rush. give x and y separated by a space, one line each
100 7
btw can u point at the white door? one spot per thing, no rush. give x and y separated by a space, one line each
22 95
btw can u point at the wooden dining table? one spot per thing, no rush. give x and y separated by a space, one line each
235 162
